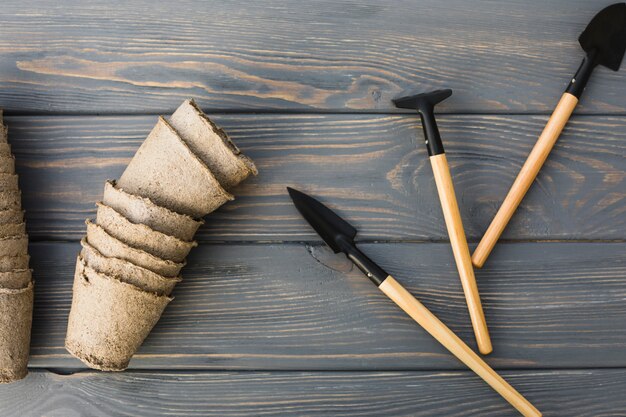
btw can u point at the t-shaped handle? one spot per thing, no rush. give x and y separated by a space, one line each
424 103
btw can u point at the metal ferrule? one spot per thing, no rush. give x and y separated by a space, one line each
431 133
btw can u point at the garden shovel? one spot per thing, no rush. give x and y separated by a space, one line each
604 41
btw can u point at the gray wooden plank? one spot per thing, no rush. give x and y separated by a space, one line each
575 393
90 56
295 306
373 168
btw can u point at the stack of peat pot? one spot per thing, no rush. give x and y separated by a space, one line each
16 284
144 228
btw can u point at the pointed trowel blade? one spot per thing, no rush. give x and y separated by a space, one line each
332 228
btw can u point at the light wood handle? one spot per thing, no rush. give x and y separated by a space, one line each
525 178
452 216
455 345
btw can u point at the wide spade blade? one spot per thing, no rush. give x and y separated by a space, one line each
605 36
332 228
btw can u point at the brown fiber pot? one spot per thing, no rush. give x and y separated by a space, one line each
212 145
109 319
127 272
143 211
141 236
167 172
16 316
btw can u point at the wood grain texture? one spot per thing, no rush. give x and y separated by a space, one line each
300 307
368 167
80 56
572 393
83 80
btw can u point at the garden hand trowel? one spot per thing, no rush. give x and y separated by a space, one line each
604 41
339 235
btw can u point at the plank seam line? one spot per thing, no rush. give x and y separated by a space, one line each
303 112
72 371
362 242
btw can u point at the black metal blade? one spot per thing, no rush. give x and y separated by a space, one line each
326 222
605 36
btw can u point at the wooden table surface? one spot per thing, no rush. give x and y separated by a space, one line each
267 320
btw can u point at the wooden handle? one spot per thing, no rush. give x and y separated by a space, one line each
525 178
456 346
460 250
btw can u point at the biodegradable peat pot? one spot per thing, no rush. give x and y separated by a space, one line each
11 217
144 211
7 164
141 236
10 200
126 271
11 263
5 149
8 182
111 247
109 319
166 171
14 245
212 145
16 316
16 279
12 229
4 131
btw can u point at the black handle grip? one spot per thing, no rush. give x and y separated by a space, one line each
374 272
579 82
432 137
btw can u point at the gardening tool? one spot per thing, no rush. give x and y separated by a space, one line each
339 235
425 103
604 41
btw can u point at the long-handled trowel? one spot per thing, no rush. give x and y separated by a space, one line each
604 41
339 235
425 103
